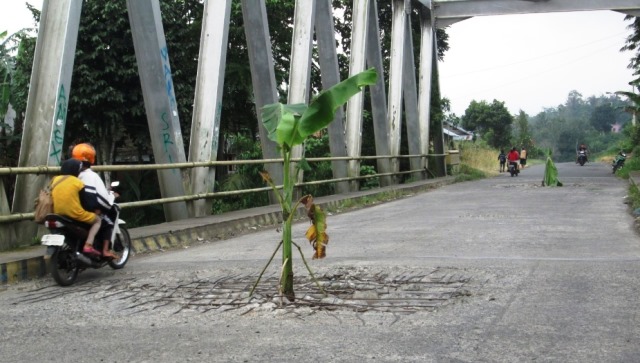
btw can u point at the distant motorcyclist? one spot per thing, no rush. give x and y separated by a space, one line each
514 157
582 150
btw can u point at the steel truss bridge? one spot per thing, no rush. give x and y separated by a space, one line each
54 57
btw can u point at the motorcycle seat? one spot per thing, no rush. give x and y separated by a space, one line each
80 229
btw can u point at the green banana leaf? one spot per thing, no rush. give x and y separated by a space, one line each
289 125
550 175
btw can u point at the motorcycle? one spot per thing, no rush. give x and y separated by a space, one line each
582 158
513 168
66 239
618 162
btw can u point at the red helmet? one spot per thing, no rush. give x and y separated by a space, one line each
84 152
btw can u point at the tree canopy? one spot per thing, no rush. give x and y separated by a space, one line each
579 121
491 120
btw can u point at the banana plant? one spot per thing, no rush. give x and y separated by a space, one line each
634 109
289 126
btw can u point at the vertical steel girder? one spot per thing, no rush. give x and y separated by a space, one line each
205 126
438 140
378 95
330 74
160 103
300 72
354 105
46 112
256 28
411 100
427 49
394 112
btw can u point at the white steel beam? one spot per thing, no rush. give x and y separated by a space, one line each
427 49
330 74
354 105
160 102
445 9
46 112
300 71
394 112
378 95
205 125
410 97
256 29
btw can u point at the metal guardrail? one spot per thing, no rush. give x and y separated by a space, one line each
56 169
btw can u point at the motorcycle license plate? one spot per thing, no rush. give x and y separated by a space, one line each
52 240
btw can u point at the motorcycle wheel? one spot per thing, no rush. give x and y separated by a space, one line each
121 246
581 162
64 267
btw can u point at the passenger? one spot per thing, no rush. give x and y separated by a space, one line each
66 201
98 199
523 158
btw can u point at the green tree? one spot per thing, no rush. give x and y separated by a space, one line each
492 121
603 117
579 121
8 47
632 44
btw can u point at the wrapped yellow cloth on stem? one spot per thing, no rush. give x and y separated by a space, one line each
550 174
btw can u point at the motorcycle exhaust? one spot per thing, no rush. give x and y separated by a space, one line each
84 259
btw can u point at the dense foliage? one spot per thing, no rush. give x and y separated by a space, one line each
492 121
580 121
106 106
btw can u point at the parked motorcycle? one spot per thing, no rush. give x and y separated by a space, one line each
582 157
65 242
513 168
618 162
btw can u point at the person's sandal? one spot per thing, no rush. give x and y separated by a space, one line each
89 250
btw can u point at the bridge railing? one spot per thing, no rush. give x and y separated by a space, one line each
6 217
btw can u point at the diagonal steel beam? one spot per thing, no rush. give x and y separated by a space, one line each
254 14
300 71
160 102
378 94
207 104
328 59
396 67
46 113
357 63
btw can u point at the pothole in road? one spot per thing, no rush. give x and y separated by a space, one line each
354 289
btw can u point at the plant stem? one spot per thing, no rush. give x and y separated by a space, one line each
287 272
309 269
264 269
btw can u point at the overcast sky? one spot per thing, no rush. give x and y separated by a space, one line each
15 16
533 61
530 62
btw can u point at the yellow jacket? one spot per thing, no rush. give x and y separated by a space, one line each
66 199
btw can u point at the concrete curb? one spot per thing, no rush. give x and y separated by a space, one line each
32 263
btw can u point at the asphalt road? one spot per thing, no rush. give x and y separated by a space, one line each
498 270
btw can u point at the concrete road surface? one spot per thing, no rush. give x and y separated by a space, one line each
498 270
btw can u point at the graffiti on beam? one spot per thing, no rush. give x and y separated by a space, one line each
166 119
167 143
57 137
